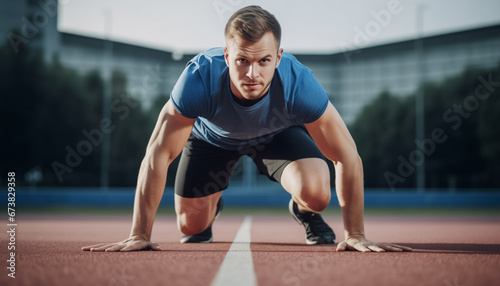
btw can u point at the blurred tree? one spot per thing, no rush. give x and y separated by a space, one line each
456 162
468 152
382 132
130 136
51 122
18 105
44 110
489 131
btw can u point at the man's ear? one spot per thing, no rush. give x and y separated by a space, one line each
278 57
226 56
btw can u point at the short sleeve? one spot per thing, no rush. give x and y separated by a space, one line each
189 95
309 99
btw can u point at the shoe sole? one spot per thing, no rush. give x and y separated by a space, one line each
185 240
310 242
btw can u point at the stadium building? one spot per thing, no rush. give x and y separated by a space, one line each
352 78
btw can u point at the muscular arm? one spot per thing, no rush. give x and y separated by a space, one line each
335 142
167 140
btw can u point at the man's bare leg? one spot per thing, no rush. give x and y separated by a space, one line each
195 215
308 181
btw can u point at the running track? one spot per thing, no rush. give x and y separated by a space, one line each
257 250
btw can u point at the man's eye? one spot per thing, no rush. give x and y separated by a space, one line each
265 60
242 60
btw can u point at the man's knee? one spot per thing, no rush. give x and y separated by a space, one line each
309 182
312 192
315 197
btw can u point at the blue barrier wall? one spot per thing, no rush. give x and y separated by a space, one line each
267 197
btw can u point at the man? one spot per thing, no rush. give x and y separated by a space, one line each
251 99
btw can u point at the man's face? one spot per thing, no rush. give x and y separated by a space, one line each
251 65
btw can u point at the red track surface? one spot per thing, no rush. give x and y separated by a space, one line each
448 252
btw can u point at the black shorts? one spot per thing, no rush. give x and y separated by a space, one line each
205 169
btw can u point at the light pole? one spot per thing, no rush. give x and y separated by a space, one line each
106 99
419 99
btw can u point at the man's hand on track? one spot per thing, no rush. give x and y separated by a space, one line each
130 244
360 243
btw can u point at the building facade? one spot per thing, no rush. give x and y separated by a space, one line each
149 72
354 78
351 78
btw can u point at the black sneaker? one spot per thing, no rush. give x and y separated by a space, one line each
206 235
202 237
317 231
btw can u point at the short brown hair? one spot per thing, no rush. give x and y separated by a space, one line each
251 23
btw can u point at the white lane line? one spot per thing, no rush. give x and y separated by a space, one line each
237 267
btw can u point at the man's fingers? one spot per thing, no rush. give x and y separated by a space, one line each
117 247
360 247
126 245
87 248
155 246
341 246
376 248
142 246
352 246
130 248
135 246
103 247
368 246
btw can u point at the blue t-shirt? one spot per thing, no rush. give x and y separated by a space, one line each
203 91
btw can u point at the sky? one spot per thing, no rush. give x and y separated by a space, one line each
322 26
